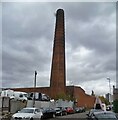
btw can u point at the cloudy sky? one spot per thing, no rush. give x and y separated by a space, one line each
27 42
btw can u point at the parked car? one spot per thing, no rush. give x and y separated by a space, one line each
69 110
109 108
60 111
77 110
103 115
92 111
64 111
28 113
82 109
48 113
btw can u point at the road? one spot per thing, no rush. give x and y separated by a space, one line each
76 116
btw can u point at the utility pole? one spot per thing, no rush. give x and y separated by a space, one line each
35 74
109 90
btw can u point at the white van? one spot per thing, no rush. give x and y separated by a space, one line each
20 95
7 93
14 95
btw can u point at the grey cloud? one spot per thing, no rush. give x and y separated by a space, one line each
25 21
93 36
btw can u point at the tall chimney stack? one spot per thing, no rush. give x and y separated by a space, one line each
58 74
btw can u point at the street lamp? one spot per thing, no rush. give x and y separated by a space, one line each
34 87
35 79
108 78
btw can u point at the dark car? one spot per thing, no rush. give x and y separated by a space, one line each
109 108
82 109
77 110
103 115
64 111
60 111
92 111
48 113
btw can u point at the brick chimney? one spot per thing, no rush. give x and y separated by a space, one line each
58 72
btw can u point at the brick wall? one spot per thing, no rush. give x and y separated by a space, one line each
74 92
83 98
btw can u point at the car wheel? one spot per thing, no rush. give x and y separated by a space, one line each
66 113
61 114
41 117
53 115
31 118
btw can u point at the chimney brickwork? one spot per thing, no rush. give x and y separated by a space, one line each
58 75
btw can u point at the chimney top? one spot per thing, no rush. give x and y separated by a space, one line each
60 10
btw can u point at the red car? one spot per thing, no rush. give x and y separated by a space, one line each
69 110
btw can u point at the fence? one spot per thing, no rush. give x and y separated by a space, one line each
4 105
53 104
10 106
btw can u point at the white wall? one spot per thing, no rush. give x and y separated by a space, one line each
38 104
46 104
17 105
13 105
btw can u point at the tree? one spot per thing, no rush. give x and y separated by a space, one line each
104 100
61 96
64 96
115 104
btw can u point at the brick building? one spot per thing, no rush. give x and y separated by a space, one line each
58 70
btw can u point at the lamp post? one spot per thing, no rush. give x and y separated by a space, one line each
34 87
108 78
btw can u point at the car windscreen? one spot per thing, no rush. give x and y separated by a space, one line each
27 111
57 109
106 117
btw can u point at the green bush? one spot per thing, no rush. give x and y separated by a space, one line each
115 106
